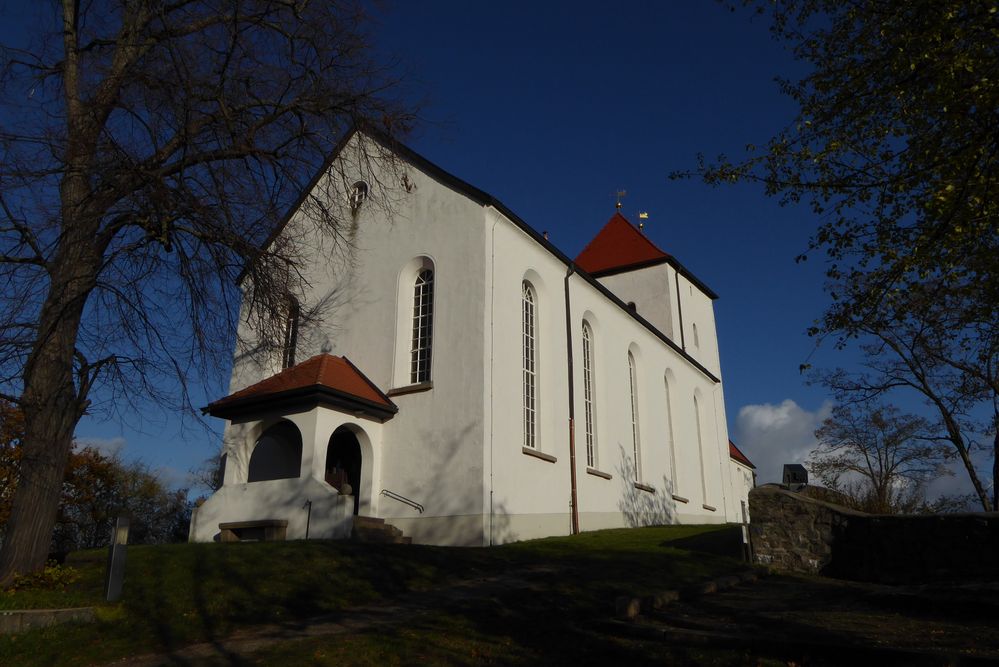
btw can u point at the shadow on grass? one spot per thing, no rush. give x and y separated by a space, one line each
176 595
726 541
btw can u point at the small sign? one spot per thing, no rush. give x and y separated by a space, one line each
115 576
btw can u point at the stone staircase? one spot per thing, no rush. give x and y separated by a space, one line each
371 529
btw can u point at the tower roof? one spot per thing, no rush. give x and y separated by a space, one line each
619 246
322 379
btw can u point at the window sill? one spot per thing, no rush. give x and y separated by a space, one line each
709 508
645 487
680 499
598 473
410 389
538 455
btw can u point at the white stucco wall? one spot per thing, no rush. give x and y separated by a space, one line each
434 445
651 290
654 292
531 497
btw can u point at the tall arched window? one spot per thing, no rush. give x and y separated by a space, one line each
700 449
633 381
529 329
423 327
697 340
290 333
670 442
588 399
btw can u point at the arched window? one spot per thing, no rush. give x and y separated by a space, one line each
529 327
669 437
633 381
290 333
697 341
588 399
700 449
358 195
423 327
277 454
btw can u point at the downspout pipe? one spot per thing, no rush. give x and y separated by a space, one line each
679 308
572 405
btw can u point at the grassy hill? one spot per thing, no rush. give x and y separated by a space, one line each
532 598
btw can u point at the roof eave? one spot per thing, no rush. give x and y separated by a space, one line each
291 398
624 268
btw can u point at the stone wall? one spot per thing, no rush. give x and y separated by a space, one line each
791 531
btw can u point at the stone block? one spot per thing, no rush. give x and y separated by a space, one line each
627 607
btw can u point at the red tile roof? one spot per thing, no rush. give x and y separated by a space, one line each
322 374
736 454
619 246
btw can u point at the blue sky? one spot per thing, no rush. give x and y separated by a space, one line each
552 107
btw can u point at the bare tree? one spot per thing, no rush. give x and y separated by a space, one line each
148 150
938 341
878 457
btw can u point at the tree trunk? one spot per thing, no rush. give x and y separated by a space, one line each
983 496
51 403
47 442
957 439
995 463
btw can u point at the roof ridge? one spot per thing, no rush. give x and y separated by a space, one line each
642 236
367 380
323 358
594 239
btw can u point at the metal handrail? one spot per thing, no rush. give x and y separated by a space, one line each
403 499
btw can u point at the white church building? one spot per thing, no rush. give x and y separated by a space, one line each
470 383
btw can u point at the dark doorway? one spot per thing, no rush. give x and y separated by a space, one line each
343 464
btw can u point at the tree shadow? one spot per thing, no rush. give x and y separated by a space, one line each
641 504
725 541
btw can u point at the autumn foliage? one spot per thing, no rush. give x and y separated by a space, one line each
97 488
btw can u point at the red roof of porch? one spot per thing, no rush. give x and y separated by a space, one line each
324 378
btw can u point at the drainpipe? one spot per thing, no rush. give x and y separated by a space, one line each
572 406
679 308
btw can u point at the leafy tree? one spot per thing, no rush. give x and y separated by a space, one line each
148 149
98 488
896 149
879 458
11 431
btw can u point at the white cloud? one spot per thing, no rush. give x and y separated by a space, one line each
106 446
772 435
173 478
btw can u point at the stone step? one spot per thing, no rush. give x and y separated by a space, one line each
374 530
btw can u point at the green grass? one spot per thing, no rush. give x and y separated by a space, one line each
176 595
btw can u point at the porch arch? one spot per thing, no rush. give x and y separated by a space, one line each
277 453
349 465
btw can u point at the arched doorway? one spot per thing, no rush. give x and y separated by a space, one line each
343 464
277 454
